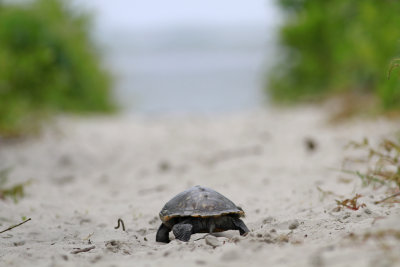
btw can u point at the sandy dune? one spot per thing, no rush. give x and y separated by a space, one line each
87 173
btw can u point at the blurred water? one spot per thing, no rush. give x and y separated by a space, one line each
164 62
189 70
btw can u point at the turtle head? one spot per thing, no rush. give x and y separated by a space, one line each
241 213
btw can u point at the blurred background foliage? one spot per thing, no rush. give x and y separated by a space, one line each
335 48
48 65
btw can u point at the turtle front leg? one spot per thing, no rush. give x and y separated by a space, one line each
243 230
182 231
163 234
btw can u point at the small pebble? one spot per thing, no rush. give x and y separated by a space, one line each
19 243
237 239
282 238
142 231
346 216
337 209
164 166
294 224
212 241
310 144
268 220
296 242
368 211
269 239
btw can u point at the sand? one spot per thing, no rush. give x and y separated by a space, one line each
88 172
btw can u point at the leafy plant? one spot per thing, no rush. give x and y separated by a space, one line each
48 65
14 192
394 64
382 165
335 48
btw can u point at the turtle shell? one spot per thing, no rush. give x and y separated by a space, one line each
198 201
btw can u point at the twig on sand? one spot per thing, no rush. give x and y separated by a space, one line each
389 197
12 227
79 250
120 221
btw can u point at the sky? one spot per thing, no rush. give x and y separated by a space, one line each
142 14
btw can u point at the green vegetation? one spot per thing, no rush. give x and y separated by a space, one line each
382 164
380 167
395 64
48 65
14 192
338 47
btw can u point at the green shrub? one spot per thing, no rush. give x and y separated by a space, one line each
48 64
337 46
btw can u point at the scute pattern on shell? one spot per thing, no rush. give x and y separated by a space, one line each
198 201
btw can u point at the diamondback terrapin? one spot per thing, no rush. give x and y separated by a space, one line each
199 210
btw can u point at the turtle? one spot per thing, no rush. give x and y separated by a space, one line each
199 210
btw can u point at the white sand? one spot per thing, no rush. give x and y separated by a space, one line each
87 173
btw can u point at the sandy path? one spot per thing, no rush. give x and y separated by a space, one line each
90 172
